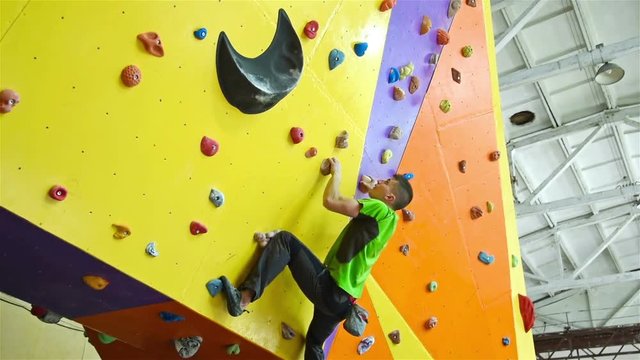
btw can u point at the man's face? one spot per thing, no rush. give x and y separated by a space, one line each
383 188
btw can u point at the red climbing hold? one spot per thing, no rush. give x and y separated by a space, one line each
297 135
58 192
387 5
476 212
442 37
197 228
152 43
208 146
527 312
494 156
408 215
311 29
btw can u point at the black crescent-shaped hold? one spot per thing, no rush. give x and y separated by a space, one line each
256 85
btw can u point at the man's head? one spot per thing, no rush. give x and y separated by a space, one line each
395 192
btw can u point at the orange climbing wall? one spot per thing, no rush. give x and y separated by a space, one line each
474 302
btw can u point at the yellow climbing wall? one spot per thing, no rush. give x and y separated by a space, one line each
131 155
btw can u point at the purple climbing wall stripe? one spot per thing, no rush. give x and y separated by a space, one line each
42 269
403 45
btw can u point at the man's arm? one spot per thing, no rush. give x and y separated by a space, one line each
332 200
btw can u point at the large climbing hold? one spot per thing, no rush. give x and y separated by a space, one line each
196 228
187 346
527 312
454 6
8 99
121 232
311 29
336 57
95 282
255 85
58 193
387 5
208 146
216 197
365 344
360 48
152 43
287 332
233 349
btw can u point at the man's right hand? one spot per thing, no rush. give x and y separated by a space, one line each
336 167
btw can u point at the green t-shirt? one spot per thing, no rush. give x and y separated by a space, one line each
360 244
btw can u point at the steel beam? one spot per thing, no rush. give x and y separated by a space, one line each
587 338
501 4
554 175
585 200
550 300
579 61
610 239
503 39
604 117
564 284
629 301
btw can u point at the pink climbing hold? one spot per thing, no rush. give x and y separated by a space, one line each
197 228
311 29
208 146
58 193
8 99
297 135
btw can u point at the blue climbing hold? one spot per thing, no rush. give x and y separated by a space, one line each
170 317
216 197
486 258
394 75
408 176
214 286
506 341
336 57
200 34
360 48
152 250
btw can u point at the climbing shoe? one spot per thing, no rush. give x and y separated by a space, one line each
234 297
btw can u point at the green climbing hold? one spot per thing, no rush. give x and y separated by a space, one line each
433 286
467 51
233 349
106 339
514 261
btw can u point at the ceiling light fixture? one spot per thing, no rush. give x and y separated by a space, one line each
609 73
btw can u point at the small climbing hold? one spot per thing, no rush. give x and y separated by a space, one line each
311 152
287 332
467 51
342 140
476 212
433 286
170 317
486 258
395 336
197 228
386 156
433 58
187 346
414 84
471 3
336 57
106 339
297 135
151 249
454 6
214 286
514 261
208 146
45 315
404 249
152 43
311 29
131 76
216 197
490 206
366 183
233 349
398 94
394 75
408 176
442 37
455 74
426 25
406 70
325 167
121 231
58 193
8 99
445 106
395 133
431 323
365 344
360 48
387 5
506 341
462 166
408 215
494 156
95 282
200 34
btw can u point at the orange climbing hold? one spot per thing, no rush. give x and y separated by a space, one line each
387 5
121 231
95 282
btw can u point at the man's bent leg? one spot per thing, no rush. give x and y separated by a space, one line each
322 325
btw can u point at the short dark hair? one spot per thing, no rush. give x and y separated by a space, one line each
403 192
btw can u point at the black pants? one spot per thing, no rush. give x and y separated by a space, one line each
331 303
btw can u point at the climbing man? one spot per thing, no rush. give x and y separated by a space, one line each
332 286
